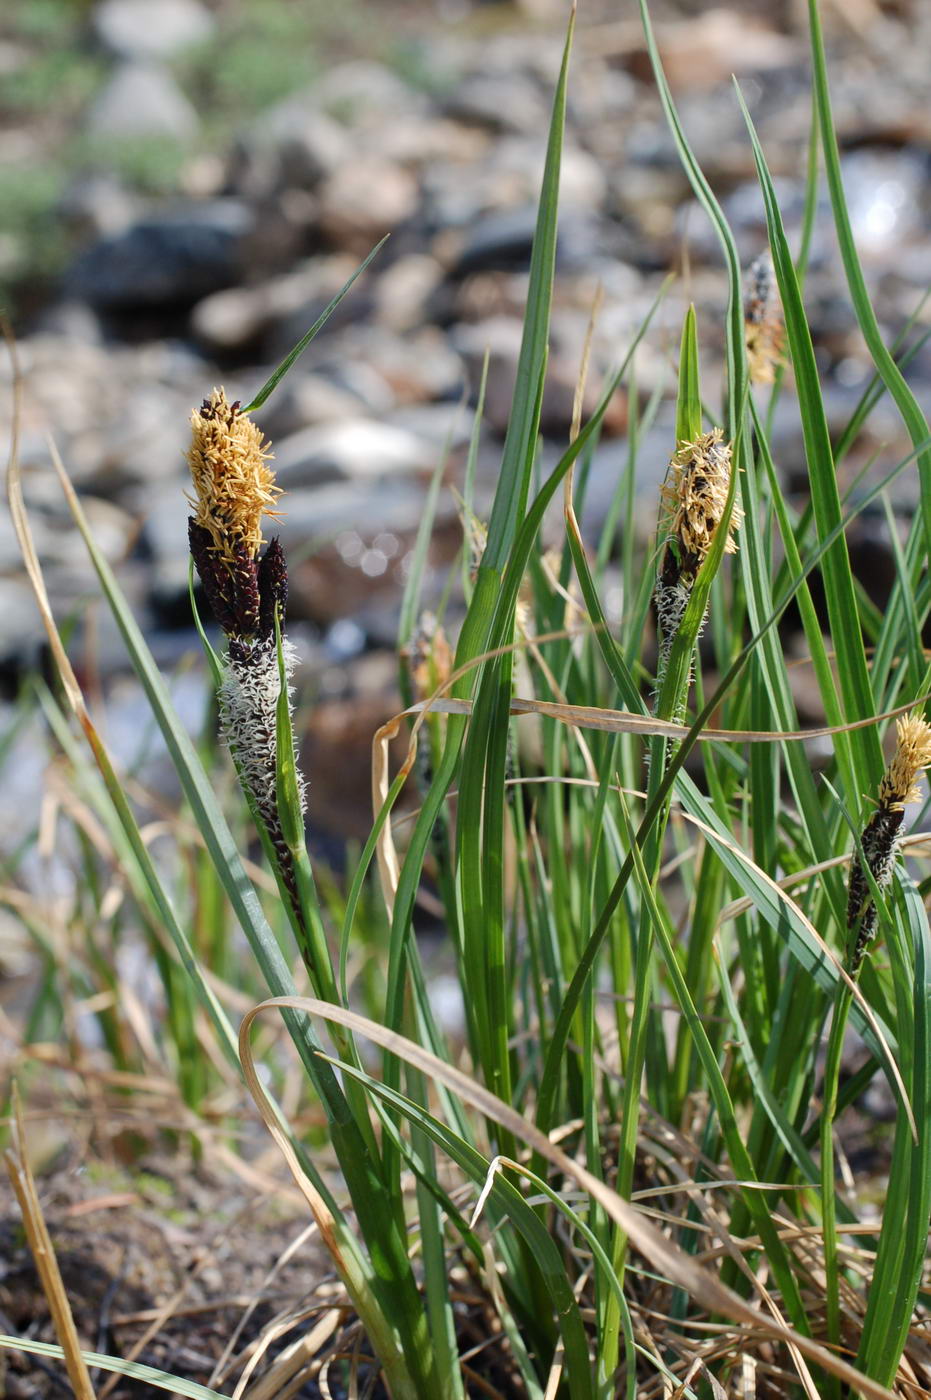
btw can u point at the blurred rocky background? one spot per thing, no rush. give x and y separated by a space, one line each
184 184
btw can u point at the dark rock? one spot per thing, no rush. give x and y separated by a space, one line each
502 239
172 258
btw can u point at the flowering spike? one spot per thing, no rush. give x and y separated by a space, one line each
245 590
880 837
693 502
763 328
273 588
214 576
233 489
695 498
233 486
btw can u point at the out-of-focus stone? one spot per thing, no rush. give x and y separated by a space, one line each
417 367
887 198
321 513
703 52
306 398
282 309
96 205
363 200
402 292
501 102
443 425
145 444
175 258
350 449
363 95
336 755
141 100
293 144
150 28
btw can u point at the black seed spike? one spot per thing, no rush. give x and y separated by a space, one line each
245 591
214 576
273 588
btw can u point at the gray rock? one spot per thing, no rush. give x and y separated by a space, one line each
416 367
500 338
365 199
175 257
150 28
70 321
320 514
164 536
21 631
363 94
502 239
887 198
403 290
144 444
307 398
415 142
230 320
512 102
280 309
97 204
440 424
352 449
293 144
141 100
59 546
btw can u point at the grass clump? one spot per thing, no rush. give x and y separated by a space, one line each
622 1182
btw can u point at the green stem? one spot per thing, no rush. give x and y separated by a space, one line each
842 1004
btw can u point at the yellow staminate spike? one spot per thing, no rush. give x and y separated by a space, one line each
912 754
695 495
763 325
233 485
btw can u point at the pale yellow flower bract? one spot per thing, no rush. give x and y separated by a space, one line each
695 496
233 485
912 754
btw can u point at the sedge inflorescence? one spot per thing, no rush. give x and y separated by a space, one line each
693 503
695 498
880 837
233 483
233 490
764 331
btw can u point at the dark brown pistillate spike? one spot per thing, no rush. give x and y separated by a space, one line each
273 588
880 838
